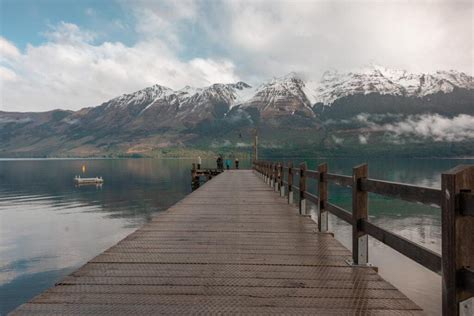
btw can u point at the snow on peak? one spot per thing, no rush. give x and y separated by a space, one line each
281 95
331 86
378 79
144 96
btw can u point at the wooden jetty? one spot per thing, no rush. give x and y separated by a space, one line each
86 181
234 246
197 173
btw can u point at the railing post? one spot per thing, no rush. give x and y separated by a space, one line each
323 196
360 249
457 241
277 177
282 177
269 175
266 172
194 178
264 167
274 175
290 183
302 204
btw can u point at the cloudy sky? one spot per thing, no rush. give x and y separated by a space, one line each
72 54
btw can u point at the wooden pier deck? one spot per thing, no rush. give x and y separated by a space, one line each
233 246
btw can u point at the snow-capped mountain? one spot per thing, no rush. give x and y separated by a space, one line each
376 79
292 93
192 105
159 116
158 107
145 96
289 94
281 96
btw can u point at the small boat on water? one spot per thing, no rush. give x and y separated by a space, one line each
96 180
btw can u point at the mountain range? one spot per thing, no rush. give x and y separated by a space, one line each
225 116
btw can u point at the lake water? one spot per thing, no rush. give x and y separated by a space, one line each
49 227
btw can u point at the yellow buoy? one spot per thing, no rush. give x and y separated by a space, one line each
83 168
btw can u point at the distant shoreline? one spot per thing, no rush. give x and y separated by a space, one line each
190 158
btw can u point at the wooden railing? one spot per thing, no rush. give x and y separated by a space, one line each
456 199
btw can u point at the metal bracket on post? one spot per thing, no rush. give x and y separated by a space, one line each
363 249
466 307
324 221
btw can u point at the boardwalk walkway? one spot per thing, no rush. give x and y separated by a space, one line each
233 246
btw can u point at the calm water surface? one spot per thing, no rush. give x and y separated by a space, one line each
49 227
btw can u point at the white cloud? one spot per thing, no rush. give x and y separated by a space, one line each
8 50
435 126
7 75
275 37
68 33
426 126
363 139
189 42
216 71
162 19
337 140
71 72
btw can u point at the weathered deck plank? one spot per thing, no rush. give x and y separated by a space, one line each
234 247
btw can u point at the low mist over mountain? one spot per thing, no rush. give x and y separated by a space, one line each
342 113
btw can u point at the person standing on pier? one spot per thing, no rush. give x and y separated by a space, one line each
236 161
199 162
220 163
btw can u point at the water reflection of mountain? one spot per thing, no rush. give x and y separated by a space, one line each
49 225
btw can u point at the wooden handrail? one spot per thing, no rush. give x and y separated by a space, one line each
311 197
456 199
427 258
312 174
403 191
339 179
340 212
323 225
